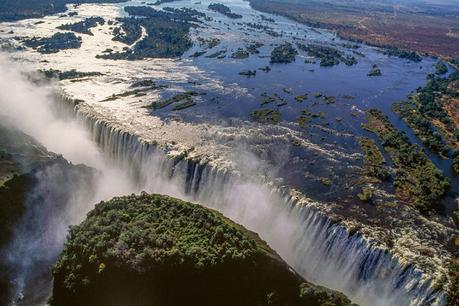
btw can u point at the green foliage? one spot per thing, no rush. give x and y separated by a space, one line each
456 162
167 33
156 250
68 75
409 55
266 115
422 127
374 161
145 232
417 179
83 27
328 56
375 71
184 105
248 73
223 9
284 54
366 194
324 296
185 97
240 54
55 43
441 68
426 114
429 98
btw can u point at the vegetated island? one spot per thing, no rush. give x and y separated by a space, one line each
223 9
157 250
84 26
284 53
433 114
54 43
328 55
167 33
417 179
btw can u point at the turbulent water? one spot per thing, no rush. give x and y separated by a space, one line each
308 240
320 250
210 154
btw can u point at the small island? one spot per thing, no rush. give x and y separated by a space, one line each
375 71
283 54
83 27
55 43
223 9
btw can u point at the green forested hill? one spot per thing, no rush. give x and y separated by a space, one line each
156 250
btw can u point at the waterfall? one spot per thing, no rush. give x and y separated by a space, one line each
321 250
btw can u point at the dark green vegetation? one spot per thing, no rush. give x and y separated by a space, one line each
158 2
167 33
83 27
185 100
301 98
266 115
409 55
219 54
441 68
139 89
283 54
375 71
455 157
374 162
304 118
265 69
433 114
366 194
421 126
253 47
223 9
184 105
55 43
267 99
417 180
156 250
208 43
11 10
248 73
328 56
68 75
198 54
240 54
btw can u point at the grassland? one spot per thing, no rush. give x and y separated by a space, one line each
425 28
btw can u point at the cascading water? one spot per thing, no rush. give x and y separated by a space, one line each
321 250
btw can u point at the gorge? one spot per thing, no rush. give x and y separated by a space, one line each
293 182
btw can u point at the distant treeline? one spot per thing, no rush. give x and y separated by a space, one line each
11 10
